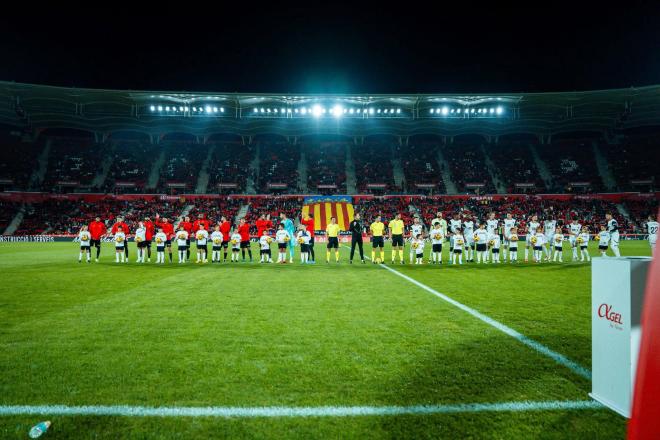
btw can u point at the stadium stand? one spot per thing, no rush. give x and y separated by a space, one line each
468 165
572 165
278 167
182 165
19 161
130 167
421 168
373 167
634 162
229 168
515 165
73 163
326 162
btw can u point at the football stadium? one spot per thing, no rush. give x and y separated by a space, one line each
331 255
314 266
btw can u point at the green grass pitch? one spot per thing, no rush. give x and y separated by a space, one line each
251 335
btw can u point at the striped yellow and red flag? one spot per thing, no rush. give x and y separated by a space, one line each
322 208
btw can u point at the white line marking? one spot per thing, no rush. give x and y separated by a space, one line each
557 357
304 411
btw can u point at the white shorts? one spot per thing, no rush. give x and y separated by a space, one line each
528 240
614 239
572 239
548 239
652 239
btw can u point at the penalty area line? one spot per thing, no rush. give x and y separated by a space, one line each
537 346
305 411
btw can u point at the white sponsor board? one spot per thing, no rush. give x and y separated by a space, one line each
617 294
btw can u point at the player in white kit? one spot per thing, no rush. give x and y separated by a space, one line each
454 227
120 242
182 244
538 240
235 240
216 244
160 239
417 244
549 227
513 245
202 238
558 245
141 240
468 234
604 238
613 229
459 242
282 237
437 237
264 245
532 226
492 227
652 229
85 242
509 223
494 243
583 242
481 239
417 228
574 230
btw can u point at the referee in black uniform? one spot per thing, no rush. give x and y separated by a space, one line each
356 237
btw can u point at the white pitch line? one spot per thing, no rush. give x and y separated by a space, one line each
296 411
557 357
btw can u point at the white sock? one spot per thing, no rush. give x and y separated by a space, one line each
116 257
80 256
526 252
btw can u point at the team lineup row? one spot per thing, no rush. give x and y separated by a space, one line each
489 241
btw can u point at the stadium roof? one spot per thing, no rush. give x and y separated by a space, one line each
39 107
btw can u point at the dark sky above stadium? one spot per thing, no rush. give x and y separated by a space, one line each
338 48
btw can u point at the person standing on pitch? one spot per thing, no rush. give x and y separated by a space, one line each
149 235
332 230
355 228
289 227
377 228
308 221
396 227
416 229
613 229
124 229
97 230
652 229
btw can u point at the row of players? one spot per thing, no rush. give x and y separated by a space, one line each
485 242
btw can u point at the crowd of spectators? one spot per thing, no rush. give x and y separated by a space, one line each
230 165
572 165
326 166
278 164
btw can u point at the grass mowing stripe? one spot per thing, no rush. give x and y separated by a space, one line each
280 411
557 357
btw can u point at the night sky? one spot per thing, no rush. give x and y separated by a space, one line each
337 48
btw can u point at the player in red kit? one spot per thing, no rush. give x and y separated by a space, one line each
96 230
263 224
168 230
244 231
150 230
188 227
124 229
225 228
308 221
201 221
